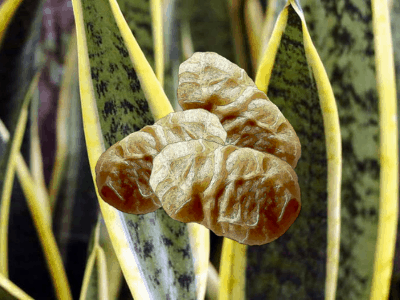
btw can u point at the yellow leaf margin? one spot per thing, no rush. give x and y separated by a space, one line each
389 177
232 271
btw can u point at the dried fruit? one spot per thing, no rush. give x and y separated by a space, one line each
205 164
240 193
123 171
209 81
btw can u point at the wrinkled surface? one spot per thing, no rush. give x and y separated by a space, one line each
240 193
209 81
263 127
123 171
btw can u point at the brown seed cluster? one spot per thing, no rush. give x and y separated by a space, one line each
225 162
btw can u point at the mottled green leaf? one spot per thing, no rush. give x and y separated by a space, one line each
122 105
159 243
137 15
293 266
210 26
344 40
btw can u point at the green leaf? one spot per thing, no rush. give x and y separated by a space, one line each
293 266
344 39
114 272
121 102
210 26
95 280
137 15
160 246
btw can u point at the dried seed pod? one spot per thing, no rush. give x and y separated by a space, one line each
209 81
240 193
123 171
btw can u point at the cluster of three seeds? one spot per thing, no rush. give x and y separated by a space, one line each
227 161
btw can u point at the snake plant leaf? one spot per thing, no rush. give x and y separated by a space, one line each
241 48
9 171
273 8
295 80
36 158
66 101
158 37
173 55
18 67
344 39
40 218
254 19
114 272
210 26
395 20
138 16
95 281
213 283
144 19
17 70
156 260
16 64
74 183
198 234
232 271
160 106
9 291
7 11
